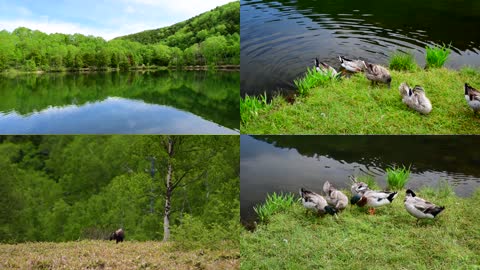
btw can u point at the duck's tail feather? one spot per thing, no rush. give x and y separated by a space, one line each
392 196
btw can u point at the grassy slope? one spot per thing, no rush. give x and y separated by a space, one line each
356 240
352 106
108 255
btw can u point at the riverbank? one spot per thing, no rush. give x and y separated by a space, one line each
94 254
13 72
356 240
353 106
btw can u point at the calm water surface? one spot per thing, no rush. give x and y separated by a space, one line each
281 38
120 103
286 163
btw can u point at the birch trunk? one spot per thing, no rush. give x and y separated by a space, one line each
168 195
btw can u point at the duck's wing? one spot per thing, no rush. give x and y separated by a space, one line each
422 205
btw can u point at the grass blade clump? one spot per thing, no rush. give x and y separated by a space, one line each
437 55
397 177
370 181
273 204
251 105
312 79
402 62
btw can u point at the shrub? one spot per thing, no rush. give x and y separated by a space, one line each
402 62
437 55
312 79
397 177
273 204
251 105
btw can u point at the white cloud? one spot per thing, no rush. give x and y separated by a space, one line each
130 9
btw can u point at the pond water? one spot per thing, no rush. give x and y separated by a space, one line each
162 102
286 163
281 38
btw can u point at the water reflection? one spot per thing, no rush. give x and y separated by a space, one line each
212 96
112 116
281 38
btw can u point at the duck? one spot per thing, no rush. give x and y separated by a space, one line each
316 202
351 65
419 207
324 68
335 197
373 199
472 96
416 98
377 73
358 187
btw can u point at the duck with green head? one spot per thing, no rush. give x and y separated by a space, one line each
373 199
316 202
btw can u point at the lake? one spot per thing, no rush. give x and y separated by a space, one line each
161 102
280 39
287 163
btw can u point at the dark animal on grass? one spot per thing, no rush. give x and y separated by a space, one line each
118 235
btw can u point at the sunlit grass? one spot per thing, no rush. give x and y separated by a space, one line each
352 106
312 79
397 177
437 55
251 105
274 203
390 239
402 62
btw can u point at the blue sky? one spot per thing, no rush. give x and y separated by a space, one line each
105 18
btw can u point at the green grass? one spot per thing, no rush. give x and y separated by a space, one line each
437 55
251 105
388 240
402 62
352 106
397 177
274 203
312 79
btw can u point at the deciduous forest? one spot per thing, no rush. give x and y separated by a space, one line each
209 39
64 188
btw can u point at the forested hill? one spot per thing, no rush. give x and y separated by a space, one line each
221 21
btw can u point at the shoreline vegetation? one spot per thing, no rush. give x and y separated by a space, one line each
352 106
390 239
138 68
210 40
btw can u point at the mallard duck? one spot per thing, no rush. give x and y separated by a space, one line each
373 199
324 68
351 65
419 207
416 98
472 96
358 187
335 197
377 73
316 202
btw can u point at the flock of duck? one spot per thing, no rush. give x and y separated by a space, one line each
336 201
414 98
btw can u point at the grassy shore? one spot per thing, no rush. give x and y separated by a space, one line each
108 255
390 239
353 106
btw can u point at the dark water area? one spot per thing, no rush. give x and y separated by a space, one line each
163 102
281 38
285 163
